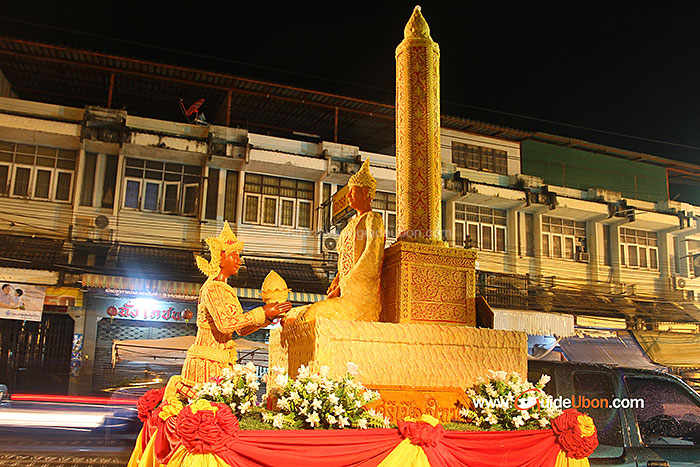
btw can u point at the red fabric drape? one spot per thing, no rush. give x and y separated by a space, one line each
527 448
337 448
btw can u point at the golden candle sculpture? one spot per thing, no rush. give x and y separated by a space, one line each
423 281
426 350
418 166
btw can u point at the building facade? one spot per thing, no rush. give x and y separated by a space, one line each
106 210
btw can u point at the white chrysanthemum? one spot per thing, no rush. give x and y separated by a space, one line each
281 380
500 375
490 390
535 415
525 415
283 403
294 396
518 421
240 392
311 387
328 384
358 404
316 404
492 419
471 393
313 419
544 379
278 421
333 399
331 419
250 377
244 407
362 424
303 410
353 369
227 373
544 422
343 421
254 386
338 410
227 389
304 372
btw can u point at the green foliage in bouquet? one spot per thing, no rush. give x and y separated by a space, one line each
505 401
313 400
235 387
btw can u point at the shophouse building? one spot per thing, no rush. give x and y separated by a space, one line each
106 196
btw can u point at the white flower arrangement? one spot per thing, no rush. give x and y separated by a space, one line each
505 401
313 400
235 387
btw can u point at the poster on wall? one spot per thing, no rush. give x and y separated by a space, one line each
21 301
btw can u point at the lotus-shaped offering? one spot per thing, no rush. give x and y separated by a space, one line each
274 289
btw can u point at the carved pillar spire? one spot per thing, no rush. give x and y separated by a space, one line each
418 166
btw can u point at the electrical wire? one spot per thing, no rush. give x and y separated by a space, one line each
336 81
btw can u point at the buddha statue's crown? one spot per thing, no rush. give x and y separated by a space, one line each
227 243
364 178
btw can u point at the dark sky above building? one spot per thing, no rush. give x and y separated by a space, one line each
622 67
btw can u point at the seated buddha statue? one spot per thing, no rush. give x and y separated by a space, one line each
219 315
354 293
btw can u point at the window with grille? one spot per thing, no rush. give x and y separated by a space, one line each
639 249
470 156
480 227
385 204
277 201
162 187
36 172
563 238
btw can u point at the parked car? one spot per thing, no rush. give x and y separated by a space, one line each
664 431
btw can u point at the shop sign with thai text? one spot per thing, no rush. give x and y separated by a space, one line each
146 309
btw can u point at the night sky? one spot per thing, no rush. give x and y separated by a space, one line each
620 67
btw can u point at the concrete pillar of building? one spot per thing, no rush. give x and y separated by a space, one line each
119 186
100 167
595 248
615 259
239 197
74 382
511 259
221 200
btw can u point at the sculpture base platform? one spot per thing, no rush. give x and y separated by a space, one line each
409 358
424 283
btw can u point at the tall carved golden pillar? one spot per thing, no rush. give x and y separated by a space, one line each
418 167
425 352
422 279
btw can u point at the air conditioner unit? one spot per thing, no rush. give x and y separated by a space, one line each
584 257
679 282
329 244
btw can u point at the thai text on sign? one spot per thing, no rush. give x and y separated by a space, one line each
132 310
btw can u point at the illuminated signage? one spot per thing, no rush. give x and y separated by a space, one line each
147 309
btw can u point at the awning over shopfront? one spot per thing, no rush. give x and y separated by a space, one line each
169 351
617 348
152 287
673 349
173 289
533 322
